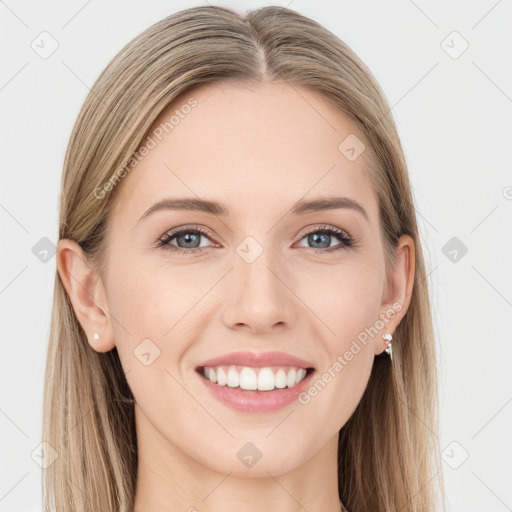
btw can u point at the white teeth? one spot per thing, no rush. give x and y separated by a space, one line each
251 379
266 379
290 380
301 373
280 378
233 378
221 377
248 379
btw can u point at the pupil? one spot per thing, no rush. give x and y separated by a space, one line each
190 238
316 238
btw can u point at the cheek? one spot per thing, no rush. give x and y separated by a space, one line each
345 299
349 308
156 302
137 302
135 298
149 307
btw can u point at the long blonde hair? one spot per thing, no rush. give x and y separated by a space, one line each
388 458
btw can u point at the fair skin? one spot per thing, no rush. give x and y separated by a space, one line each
257 151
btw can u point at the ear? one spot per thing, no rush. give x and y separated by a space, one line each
86 293
397 295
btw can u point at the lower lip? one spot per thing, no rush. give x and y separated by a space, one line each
243 400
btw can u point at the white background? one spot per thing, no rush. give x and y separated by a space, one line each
453 116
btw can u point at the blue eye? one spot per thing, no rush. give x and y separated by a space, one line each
188 236
324 235
189 240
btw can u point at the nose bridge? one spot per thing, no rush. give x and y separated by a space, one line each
258 296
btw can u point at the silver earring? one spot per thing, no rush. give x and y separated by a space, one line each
389 350
96 336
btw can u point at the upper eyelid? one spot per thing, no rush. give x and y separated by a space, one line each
174 232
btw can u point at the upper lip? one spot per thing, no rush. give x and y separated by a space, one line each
257 360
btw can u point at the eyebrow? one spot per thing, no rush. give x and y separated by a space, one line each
301 207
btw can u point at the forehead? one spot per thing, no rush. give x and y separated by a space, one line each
255 148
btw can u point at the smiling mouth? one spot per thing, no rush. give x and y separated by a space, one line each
247 378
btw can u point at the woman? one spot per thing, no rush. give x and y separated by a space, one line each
238 252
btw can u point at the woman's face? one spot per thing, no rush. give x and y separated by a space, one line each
262 278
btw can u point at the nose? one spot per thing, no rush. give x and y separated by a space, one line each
259 298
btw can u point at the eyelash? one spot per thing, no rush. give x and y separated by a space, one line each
347 241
